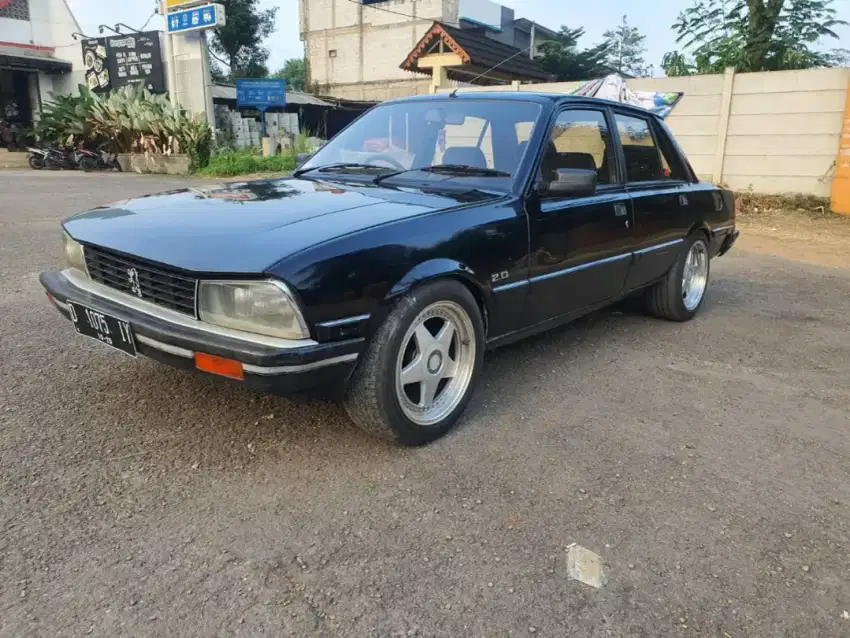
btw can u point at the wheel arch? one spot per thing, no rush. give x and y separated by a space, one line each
700 227
443 268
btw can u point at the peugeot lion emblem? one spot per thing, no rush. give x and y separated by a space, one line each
135 284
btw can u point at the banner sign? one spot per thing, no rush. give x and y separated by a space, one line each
111 63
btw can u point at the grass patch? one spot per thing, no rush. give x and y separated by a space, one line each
230 163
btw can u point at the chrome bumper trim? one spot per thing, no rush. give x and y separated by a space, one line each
247 367
165 347
81 282
344 322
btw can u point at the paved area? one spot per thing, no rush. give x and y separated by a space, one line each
705 463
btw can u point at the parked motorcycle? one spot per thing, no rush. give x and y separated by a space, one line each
59 159
37 158
88 160
102 159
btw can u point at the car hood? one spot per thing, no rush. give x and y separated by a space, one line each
247 227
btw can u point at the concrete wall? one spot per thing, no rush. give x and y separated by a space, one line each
354 51
776 132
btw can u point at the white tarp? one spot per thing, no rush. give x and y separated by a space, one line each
613 87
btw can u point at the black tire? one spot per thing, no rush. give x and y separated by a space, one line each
371 400
117 166
665 298
36 162
89 164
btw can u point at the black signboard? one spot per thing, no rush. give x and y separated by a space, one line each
111 63
94 62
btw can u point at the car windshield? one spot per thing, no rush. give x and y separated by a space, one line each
450 139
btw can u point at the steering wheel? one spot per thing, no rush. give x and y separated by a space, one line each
383 157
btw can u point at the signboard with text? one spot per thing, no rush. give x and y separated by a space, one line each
260 93
111 63
208 16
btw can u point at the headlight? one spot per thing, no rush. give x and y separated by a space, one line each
74 253
262 307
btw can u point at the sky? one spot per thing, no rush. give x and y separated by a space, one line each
652 17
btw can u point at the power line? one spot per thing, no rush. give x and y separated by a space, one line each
149 20
493 68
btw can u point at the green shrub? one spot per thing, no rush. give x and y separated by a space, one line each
130 119
229 163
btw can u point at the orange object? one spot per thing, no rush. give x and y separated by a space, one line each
219 365
841 182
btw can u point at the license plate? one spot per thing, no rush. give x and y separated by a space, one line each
109 330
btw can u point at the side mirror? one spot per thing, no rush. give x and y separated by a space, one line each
572 182
302 158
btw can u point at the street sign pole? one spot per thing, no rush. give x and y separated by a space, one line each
169 57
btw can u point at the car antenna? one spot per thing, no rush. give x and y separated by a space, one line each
492 68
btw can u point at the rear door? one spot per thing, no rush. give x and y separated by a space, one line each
580 247
660 194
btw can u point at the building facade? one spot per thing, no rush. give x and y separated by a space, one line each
354 49
38 56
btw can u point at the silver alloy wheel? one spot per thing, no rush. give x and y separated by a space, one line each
435 363
695 275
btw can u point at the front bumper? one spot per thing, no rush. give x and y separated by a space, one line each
277 366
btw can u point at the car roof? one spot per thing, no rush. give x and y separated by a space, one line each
539 97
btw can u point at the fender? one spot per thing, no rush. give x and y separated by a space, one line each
432 269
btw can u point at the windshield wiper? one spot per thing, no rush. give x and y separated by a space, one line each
339 165
450 169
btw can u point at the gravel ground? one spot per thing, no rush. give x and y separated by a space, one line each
706 463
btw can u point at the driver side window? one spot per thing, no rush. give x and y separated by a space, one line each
580 139
456 143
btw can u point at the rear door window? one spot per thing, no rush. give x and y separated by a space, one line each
645 162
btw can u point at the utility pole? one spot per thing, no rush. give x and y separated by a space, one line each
169 55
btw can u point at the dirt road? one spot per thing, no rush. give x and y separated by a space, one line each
706 463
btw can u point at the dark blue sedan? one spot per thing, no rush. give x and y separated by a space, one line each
428 231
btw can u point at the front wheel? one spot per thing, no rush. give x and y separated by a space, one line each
421 367
679 295
36 162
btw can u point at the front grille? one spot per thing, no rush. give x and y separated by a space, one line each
158 284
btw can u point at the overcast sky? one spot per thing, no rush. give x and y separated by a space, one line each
652 17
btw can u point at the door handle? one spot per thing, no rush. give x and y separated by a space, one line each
620 209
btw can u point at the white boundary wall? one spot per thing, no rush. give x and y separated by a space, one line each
777 132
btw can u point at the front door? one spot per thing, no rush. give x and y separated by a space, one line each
580 247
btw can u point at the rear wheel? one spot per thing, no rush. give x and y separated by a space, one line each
420 369
679 295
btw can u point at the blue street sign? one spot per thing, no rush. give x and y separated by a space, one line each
208 16
261 94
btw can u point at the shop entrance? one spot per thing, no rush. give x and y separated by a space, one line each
15 107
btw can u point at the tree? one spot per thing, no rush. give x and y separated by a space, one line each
239 43
562 58
625 50
294 71
754 35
